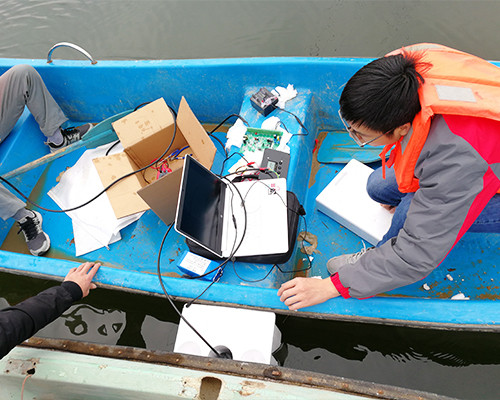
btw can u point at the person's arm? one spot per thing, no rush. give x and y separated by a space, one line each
306 292
23 320
453 191
452 188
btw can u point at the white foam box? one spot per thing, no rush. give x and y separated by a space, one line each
346 201
250 335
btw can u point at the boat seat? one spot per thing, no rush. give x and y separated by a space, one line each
24 137
301 146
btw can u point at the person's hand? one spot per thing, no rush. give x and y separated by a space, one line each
389 208
306 292
83 276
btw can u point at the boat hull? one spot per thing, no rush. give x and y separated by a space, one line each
215 89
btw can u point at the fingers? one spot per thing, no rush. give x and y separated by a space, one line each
93 271
88 266
83 275
288 293
306 292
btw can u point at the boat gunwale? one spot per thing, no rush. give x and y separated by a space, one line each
262 294
247 370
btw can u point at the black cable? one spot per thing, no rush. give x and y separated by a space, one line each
106 188
211 133
227 158
297 119
251 280
222 144
232 115
235 248
111 147
219 355
276 265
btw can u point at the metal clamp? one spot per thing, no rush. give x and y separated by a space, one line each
73 46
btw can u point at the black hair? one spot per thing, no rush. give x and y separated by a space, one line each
383 94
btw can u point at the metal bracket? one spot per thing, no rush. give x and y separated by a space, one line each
73 46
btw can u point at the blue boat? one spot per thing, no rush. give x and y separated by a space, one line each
215 89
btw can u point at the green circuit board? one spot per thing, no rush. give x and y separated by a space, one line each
257 139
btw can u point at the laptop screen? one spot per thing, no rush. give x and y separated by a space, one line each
201 205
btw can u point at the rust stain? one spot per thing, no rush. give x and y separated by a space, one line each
171 274
248 388
310 238
488 296
316 166
300 268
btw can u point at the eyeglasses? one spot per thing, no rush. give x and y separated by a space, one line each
357 136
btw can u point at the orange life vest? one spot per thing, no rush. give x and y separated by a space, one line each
456 83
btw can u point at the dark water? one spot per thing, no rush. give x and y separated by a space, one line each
456 364
462 365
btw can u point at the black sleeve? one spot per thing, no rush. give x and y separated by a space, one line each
23 320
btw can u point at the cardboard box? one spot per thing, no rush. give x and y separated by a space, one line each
145 135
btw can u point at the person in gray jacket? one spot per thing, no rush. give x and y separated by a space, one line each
457 171
20 322
22 86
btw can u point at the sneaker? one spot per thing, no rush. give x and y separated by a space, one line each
37 240
70 135
333 265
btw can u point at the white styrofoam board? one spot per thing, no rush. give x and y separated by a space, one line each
346 201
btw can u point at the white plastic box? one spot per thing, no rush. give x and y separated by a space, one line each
250 335
346 201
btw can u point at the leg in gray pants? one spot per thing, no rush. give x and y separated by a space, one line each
22 86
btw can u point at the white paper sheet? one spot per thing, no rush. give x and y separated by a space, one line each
95 224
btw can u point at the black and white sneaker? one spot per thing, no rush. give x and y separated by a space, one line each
37 240
70 135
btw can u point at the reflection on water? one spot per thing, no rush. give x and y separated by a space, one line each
159 335
456 364
88 324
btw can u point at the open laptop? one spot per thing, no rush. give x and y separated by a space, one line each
210 213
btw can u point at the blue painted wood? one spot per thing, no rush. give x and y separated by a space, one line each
215 89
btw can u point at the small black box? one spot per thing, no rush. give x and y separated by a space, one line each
264 101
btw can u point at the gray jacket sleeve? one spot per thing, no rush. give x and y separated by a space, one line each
450 173
20 322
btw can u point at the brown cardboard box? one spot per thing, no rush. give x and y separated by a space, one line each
145 135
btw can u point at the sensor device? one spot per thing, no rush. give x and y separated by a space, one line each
276 161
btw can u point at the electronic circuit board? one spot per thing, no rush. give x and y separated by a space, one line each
257 139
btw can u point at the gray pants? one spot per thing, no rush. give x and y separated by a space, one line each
22 86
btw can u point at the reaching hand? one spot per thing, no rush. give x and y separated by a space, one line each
306 292
82 277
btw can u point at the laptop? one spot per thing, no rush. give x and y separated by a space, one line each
211 212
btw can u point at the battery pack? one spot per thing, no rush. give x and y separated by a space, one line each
264 101
195 266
